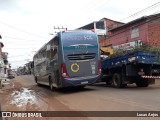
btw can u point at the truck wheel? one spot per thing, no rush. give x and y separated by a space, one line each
142 83
116 80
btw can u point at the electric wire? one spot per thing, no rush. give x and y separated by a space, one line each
19 55
21 30
125 36
21 38
136 26
152 6
98 5
143 10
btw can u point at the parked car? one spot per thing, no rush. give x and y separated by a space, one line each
11 75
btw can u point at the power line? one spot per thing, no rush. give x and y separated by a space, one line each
129 29
89 4
156 12
28 53
20 38
19 48
15 43
21 30
18 61
105 3
150 7
95 5
19 55
100 5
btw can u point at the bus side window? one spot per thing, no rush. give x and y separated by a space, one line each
55 44
53 52
51 49
56 41
48 54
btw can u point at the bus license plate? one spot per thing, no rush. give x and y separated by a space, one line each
85 82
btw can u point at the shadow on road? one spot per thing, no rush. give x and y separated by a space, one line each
71 90
128 87
66 90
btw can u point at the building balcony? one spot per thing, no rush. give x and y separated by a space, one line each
5 55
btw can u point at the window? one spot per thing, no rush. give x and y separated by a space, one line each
134 32
100 25
53 53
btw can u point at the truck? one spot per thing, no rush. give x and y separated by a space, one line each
139 67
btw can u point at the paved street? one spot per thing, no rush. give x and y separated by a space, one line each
92 98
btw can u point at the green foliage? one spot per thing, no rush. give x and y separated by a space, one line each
145 48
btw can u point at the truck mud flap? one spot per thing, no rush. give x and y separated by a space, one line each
151 81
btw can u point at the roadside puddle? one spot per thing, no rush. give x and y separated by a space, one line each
23 98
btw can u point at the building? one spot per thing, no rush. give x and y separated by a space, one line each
101 28
1 65
6 64
1 57
144 30
27 68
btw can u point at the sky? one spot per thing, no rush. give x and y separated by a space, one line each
26 25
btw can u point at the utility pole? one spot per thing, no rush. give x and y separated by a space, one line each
60 28
1 45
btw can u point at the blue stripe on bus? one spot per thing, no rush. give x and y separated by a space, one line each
83 47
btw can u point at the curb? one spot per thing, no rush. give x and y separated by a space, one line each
0 112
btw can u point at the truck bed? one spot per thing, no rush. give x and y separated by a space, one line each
129 58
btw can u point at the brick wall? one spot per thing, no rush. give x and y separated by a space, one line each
154 32
110 24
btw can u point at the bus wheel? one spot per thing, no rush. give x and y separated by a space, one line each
117 81
36 81
51 85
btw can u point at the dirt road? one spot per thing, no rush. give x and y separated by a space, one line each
24 95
